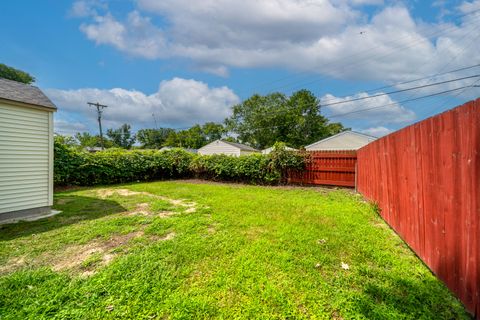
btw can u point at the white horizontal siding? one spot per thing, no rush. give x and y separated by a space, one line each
343 141
246 152
219 147
25 147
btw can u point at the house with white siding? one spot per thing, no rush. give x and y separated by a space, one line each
26 152
269 150
346 140
226 147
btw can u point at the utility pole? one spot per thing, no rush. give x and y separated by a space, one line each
99 114
155 120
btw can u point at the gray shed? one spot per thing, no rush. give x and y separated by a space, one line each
26 152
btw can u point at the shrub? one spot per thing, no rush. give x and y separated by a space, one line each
254 168
283 160
74 167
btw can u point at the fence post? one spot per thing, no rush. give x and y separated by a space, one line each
356 175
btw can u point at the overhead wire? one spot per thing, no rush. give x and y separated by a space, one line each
368 55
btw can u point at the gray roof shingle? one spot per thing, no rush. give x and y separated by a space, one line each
20 92
240 146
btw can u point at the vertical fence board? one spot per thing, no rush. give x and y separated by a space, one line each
426 180
335 168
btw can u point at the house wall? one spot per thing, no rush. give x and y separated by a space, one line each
219 147
26 158
246 153
343 142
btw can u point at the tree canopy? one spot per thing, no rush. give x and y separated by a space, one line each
122 137
11 73
196 136
296 120
153 138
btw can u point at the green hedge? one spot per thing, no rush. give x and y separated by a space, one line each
253 168
73 167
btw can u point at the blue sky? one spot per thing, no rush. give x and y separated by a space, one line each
189 62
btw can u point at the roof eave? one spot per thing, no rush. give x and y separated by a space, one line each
52 108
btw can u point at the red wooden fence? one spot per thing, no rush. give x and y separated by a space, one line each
426 181
328 168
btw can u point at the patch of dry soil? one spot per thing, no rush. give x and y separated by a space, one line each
74 256
190 206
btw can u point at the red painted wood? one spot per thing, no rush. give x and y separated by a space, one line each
426 180
335 168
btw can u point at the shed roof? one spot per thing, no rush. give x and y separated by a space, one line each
346 140
240 146
25 93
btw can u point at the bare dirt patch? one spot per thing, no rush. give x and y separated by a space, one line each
105 193
75 256
141 209
63 201
12 265
190 206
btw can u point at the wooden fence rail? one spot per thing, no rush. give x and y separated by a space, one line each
426 180
335 168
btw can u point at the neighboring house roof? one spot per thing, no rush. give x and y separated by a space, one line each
239 146
186 149
268 150
93 149
25 93
346 140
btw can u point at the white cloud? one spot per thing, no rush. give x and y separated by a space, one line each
327 37
469 6
366 109
66 127
177 103
377 131
137 36
86 8
367 2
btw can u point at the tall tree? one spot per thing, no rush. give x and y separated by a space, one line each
196 136
153 138
86 139
296 120
11 73
190 138
122 137
213 131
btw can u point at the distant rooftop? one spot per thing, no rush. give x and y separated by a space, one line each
240 146
21 92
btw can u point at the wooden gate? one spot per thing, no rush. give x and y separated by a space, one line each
336 168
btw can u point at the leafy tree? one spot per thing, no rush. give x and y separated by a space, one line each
153 138
10 73
196 136
65 140
86 139
296 120
190 138
122 137
213 131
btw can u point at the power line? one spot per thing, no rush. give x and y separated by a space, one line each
367 54
398 91
399 102
407 82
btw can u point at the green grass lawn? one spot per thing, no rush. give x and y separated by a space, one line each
185 250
